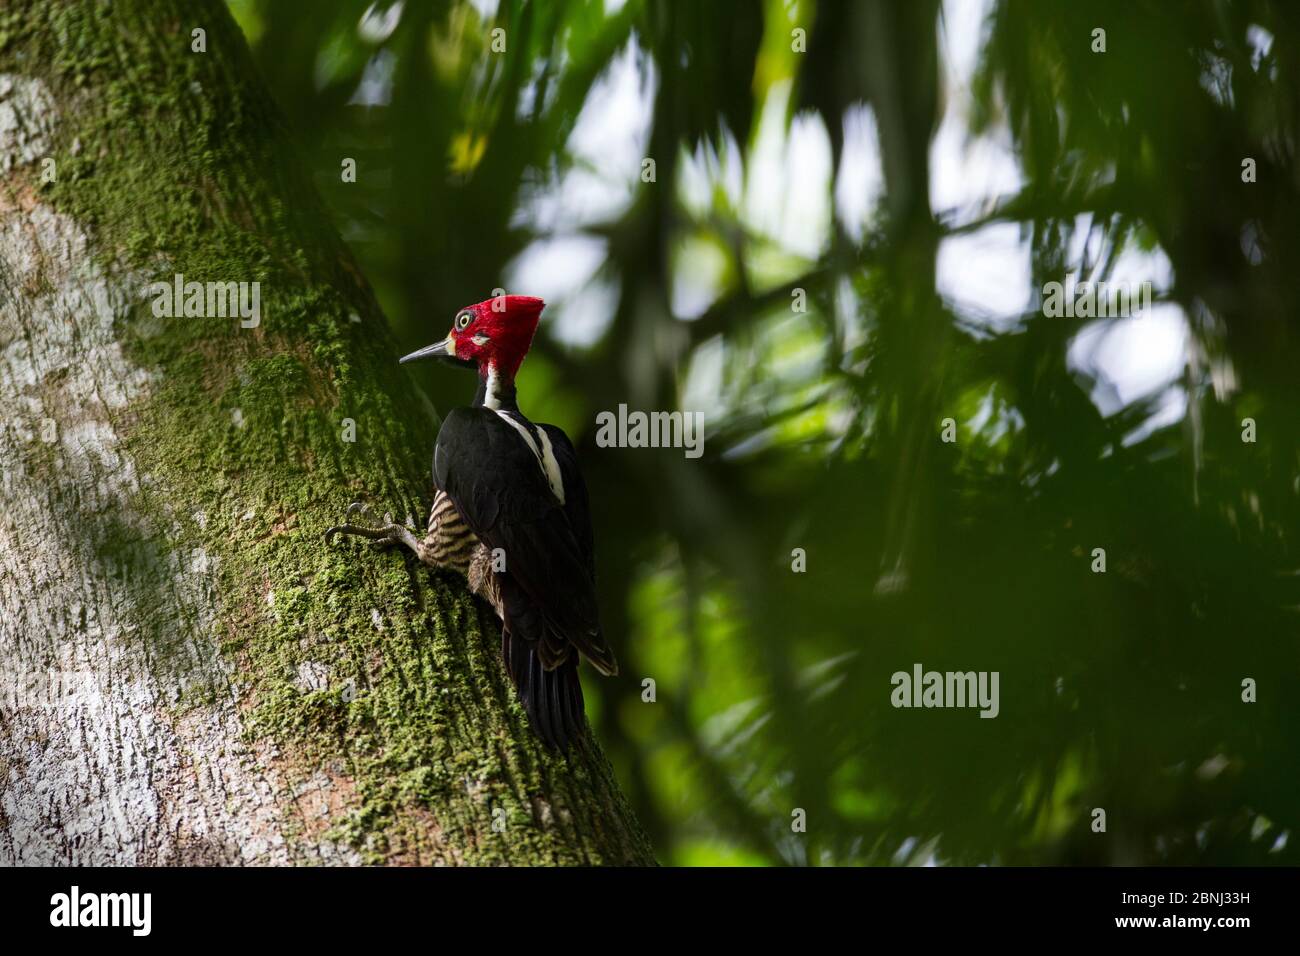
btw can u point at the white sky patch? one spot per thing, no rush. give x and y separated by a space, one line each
582 319
962 36
1170 410
606 149
1131 265
705 380
1136 357
708 170
1261 45
379 21
606 146
848 314
487 9
1260 40
986 275
1084 242
861 180
994 419
969 174
557 267
528 93
563 270
376 86
787 195
1132 358
1134 265
965 173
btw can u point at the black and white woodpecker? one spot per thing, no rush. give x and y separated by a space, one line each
510 514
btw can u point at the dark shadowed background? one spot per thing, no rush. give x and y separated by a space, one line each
853 211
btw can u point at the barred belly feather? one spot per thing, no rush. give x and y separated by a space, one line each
455 547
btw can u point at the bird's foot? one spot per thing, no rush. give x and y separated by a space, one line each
389 532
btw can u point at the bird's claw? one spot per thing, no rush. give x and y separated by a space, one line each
390 532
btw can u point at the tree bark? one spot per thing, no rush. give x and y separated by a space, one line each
189 674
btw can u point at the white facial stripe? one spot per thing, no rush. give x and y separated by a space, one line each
545 456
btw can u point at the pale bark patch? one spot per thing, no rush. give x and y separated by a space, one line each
105 622
26 111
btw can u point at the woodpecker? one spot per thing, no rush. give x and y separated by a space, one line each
510 514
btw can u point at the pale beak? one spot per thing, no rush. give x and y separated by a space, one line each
444 349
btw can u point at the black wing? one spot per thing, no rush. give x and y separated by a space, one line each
548 587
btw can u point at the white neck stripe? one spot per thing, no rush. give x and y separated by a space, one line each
551 466
545 455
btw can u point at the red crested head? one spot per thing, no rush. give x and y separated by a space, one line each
495 333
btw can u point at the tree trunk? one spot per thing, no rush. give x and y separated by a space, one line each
189 674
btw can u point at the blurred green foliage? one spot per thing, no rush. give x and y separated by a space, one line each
1119 690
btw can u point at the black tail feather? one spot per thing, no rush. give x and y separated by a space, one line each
544 668
551 698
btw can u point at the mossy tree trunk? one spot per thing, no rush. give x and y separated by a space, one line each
190 675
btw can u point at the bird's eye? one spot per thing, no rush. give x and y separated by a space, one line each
463 320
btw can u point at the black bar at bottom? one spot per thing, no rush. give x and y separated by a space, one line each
334 906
